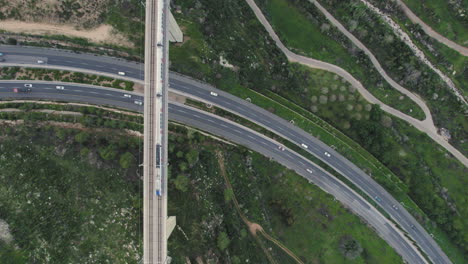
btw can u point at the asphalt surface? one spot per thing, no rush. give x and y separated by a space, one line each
247 110
235 133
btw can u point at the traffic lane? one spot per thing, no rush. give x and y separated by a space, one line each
80 97
112 61
296 163
73 89
353 173
78 60
275 125
65 55
286 129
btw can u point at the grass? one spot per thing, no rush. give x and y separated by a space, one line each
402 65
302 36
381 173
444 17
62 207
286 195
203 212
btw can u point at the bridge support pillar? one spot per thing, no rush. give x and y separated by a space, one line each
175 34
170 225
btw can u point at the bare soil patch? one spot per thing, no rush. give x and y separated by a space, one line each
100 34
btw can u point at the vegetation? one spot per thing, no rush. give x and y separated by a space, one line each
214 231
446 17
312 35
63 207
263 68
447 60
17 73
88 117
77 196
400 63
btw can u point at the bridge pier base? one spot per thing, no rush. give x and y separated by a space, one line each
170 225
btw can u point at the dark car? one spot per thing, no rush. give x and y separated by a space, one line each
22 90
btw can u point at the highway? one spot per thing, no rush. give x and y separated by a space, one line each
254 113
235 133
155 134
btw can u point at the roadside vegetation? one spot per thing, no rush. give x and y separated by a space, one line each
268 195
87 196
453 64
448 18
86 116
20 73
400 63
263 68
313 36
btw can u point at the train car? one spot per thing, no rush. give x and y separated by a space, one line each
158 156
158 187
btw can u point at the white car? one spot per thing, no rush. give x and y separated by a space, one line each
310 171
122 73
213 94
40 61
304 145
28 85
281 148
138 102
327 154
58 87
128 95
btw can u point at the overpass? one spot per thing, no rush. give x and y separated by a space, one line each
155 133
59 59
235 133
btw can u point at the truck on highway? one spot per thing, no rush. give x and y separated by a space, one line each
2 56
22 90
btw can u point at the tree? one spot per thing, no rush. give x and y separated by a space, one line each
350 248
12 41
82 137
228 195
236 260
179 154
192 157
108 153
181 182
127 160
183 166
223 241
84 151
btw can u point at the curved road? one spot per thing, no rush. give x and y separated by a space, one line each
103 65
427 122
426 126
429 31
236 133
252 112
90 94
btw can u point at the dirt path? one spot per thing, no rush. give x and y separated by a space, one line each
403 36
101 34
432 33
254 228
427 126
